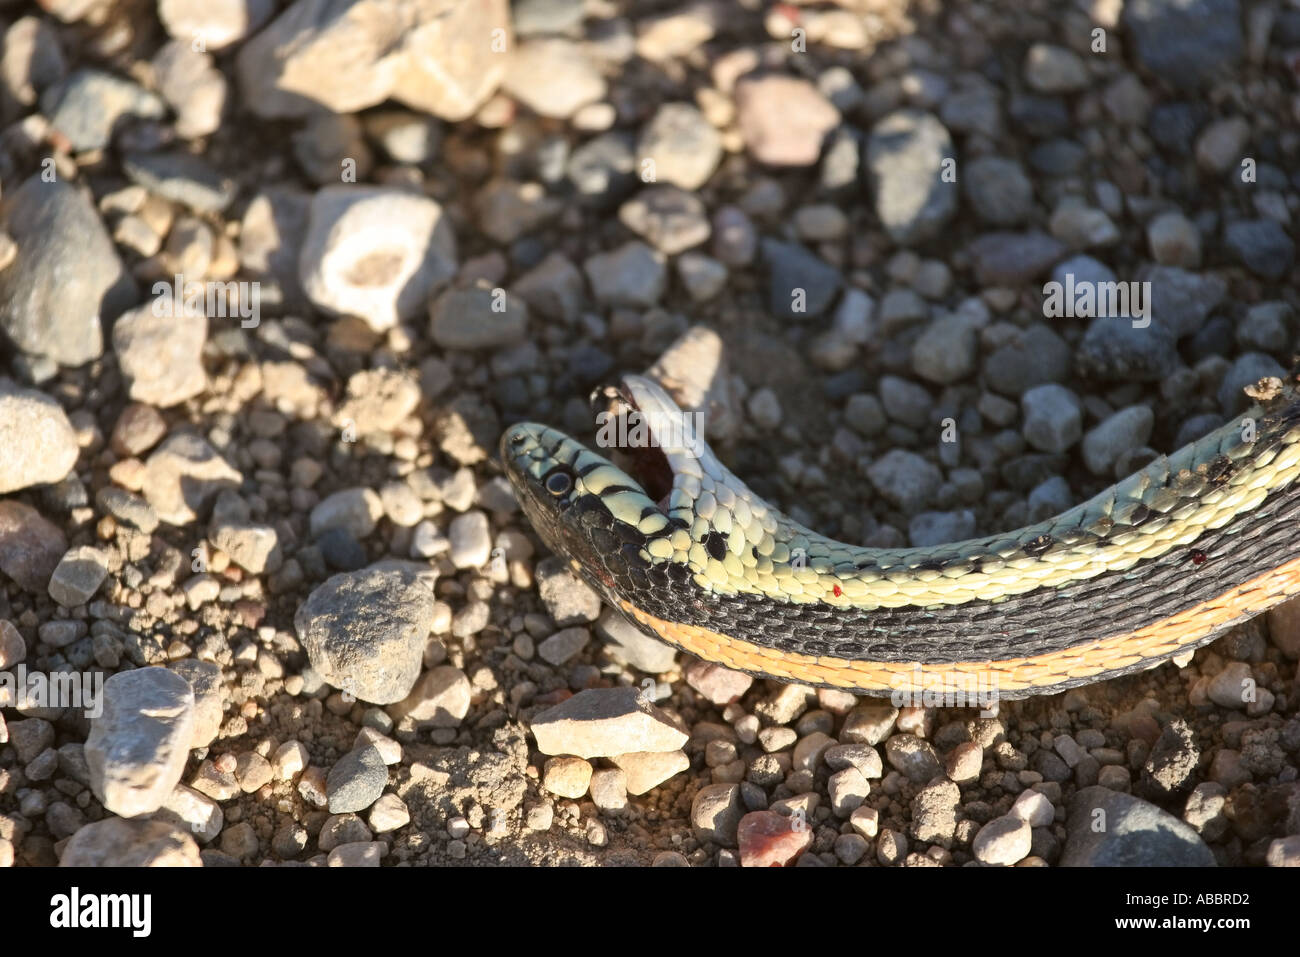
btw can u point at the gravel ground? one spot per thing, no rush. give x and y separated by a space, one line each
274 276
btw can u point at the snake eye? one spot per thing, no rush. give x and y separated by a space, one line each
559 481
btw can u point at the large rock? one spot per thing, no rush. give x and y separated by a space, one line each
375 252
138 746
115 842
365 631
602 722
37 444
442 56
65 278
1111 829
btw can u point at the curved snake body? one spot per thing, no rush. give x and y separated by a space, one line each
1149 569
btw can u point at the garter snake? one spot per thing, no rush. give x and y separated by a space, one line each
1149 569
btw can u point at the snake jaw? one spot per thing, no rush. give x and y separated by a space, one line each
644 418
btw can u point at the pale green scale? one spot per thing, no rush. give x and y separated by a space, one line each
601 478
653 523
625 506
726 495
660 548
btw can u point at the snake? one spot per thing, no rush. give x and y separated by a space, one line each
1147 570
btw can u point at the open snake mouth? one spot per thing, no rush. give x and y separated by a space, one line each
626 434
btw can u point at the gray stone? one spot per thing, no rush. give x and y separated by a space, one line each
478 317
800 284
906 155
1261 245
116 842
159 348
1187 43
66 277
365 631
1114 350
356 781
670 219
347 55
1053 418
999 190
716 812
929 529
633 275
204 679
1105 442
1183 300
601 722
905 479
1054 69
138 746
553 77
1010 259
39 445
1034 356
183 476
270 240
87 107
1110 829
182 178
683 146
78 576
947 351
625 641
554 288
508 209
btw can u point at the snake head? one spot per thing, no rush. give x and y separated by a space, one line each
600 507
